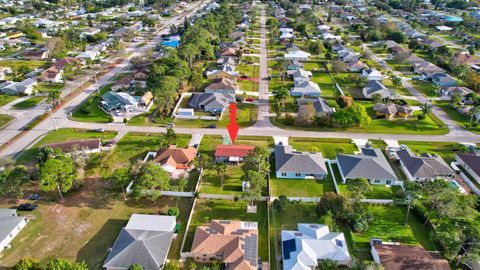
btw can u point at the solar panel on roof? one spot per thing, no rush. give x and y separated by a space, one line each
288 247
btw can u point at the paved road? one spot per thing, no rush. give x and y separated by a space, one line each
61 116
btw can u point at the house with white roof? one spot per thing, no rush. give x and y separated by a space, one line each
310 244
372 74
298 55
305 88
10 225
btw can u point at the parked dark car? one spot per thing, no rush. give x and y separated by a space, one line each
212 126
27 207
34 197
239 99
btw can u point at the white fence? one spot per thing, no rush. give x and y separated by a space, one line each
470 184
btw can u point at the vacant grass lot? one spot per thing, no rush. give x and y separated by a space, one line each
63 135
388 224
326 84
424 87
14 64
251 71
28 103
328 147
4 119
206 210
5 99
85 227
135 146
247 85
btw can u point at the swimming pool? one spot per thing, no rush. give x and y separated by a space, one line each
172 41
453 19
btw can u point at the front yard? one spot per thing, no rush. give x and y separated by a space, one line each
5 99
460 119
90 110
28 103
4 119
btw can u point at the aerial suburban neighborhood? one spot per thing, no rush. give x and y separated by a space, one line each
238 135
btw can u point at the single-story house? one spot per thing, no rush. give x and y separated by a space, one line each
112 101
471 164
462 91
211 102
304 248
347 56
88 55
236 35
222 85
10 225
228 52
301 75
356 66
291 164
36 55
226 71
297 55
123 83
433 44
424 167
392 110
176 161
407 257
376 87
426 69
305 88
24 87
232 242
227 60
372 74
464 58
443 79
232 152
145 241
54 73
86 146
321 106
370 164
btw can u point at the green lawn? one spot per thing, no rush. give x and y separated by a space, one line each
135 146
327 146
90 111
444 149
459 118
251 71
85 227
247 85
9 51
300 188
5 99
378 192
399 66
326 85
388 224
63 135
206 210
211 183
4 119
48 87
313 65
429 125
28 103
18 63
424 87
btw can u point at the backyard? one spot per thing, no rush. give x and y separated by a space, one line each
85 226
206 210
307 188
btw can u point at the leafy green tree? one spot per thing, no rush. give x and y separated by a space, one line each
257 183
135 267
171 265
62 264
327 264
437 192
173 211
120 178
27 264
14 182
58 174
221 169
280 203
359 187
170 137
151 181
412 191
202 161
258 159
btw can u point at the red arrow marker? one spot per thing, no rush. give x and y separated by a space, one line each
233 127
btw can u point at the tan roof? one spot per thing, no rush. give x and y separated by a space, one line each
402 257
463 58
222 84
179 158
231 239
228 52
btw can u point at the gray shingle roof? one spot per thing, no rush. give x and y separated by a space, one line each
288 160
426 166
8 221
319 103
210 100
145 240
375 86
371 164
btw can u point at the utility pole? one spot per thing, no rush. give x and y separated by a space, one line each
51 117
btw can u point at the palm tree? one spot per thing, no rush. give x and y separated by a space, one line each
473 112
462 72
280 96
426 109
436 89
221 169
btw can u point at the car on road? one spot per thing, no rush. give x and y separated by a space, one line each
27 207
212 126
99 130
170 125
249 99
